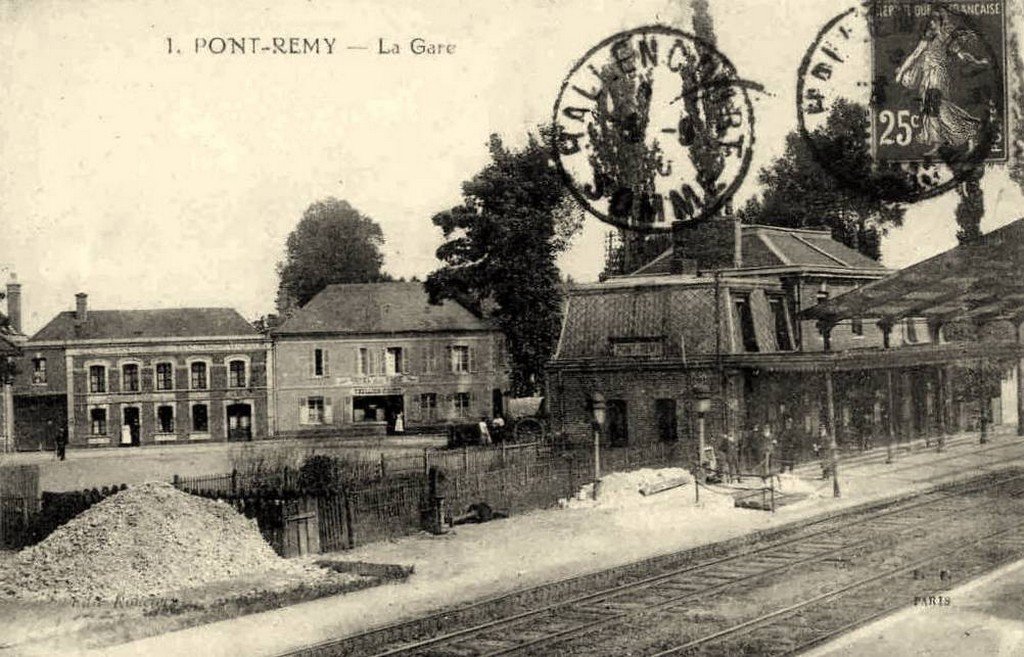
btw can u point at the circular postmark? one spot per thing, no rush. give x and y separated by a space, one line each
903 100
653 126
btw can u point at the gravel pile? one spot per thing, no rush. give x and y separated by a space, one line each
141 543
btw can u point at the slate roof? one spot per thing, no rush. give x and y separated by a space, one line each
8 348
379 308
774 246
140 324
980 282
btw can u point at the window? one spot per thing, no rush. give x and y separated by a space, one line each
165 419
461 402
393 361
200 418
38 370
236 374
429 359
782 337
428 406
459 357
198 376
130 378
857 326
364 361
911 330
319 362
98 421
315 410
97 378
746 321
164 376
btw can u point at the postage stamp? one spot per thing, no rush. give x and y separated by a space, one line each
653 126
928 77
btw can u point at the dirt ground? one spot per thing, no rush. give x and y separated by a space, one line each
88 468
30 628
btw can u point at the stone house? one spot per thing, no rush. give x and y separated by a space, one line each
139 377
358 357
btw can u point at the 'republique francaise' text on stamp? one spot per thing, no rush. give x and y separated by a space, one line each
653 125
928 78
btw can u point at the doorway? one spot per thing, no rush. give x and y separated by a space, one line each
379 408
239 422
665 419
130 416
618 427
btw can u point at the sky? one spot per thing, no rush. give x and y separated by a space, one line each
149 178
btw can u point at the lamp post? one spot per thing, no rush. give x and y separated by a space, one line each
703 407
597 408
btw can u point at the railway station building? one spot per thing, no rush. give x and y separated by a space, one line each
738 328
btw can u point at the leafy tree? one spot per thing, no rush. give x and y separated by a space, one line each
620 156
332 243
799 193
970 209
500 249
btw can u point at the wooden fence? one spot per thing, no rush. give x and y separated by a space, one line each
19 481
398 501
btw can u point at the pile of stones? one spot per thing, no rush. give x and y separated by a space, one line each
139 544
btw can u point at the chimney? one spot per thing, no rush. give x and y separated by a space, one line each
14 303
81 306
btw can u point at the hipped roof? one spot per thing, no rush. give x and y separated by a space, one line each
145 324
779 247
370 308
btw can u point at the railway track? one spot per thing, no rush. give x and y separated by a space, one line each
601 618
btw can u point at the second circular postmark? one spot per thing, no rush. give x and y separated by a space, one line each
903 100
653 125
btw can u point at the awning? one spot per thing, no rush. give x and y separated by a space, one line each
983 282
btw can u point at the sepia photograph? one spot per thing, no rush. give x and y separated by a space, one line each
343 328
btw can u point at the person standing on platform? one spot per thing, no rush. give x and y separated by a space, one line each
768 444
62 442
732 457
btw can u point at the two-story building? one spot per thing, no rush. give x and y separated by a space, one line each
137 377
380 358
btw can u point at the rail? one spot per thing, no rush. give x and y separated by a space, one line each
518 623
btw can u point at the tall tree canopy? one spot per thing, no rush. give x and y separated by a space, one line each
799 193
333 243
500 250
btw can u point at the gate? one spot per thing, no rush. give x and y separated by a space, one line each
334 514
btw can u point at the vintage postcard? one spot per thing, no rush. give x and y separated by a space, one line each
464 329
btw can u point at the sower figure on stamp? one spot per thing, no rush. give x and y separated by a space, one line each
928 71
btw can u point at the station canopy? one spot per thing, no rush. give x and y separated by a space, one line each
983 282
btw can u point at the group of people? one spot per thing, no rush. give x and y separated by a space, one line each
762 451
